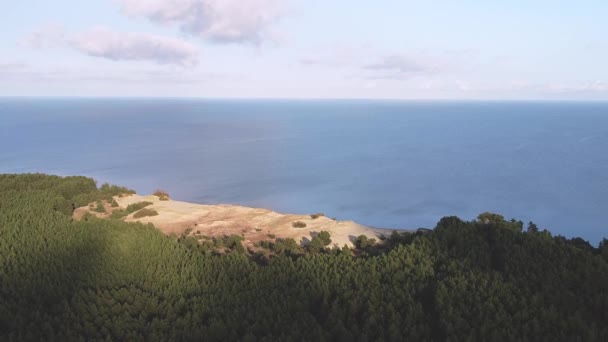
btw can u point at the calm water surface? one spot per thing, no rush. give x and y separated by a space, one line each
381 163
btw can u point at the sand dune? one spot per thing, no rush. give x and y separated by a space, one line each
254 224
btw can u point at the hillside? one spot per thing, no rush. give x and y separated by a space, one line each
253 224
93 279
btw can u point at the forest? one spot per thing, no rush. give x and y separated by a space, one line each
488 279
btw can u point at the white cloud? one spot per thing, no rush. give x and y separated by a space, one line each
591 86
402 66
335 57
117 46
371 65
47 36
221 21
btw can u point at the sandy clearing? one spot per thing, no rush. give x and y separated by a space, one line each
254 224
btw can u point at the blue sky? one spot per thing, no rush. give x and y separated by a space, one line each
305 49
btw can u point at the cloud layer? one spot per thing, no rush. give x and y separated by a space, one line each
47 36
20 72
106 43
220 21
401 67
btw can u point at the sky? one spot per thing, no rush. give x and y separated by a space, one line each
306 49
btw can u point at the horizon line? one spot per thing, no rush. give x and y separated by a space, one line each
295 99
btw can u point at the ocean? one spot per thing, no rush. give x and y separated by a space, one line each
389 164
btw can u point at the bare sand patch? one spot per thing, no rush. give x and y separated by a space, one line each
254 224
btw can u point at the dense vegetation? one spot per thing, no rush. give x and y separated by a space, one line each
99 279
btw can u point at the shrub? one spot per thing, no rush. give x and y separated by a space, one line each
114 203
234 242
325 237
100 208
131 208
218 242
207 245
115 190
346 251
287 246
107 191
364 242
161 194
319 242
298 224
118 214
272 236
145 212
316 216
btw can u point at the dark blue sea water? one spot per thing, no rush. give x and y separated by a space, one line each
381 163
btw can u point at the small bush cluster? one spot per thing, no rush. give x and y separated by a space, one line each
100 208
364 242
108 191
131 208
145 212
162 195
319 242
286 246
316 216
298 224
118 214
213 245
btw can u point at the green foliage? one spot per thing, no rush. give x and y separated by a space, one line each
234 242
114 204
225 244
218 243
532 228
603 249
488 217
325 237
363 242
145 212
496 220
99 279
100 208
280 246
118 214
109 191
319 242
298 224
161 194
346 251
131 208
69 192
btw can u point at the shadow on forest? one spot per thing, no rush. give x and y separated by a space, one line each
56 273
